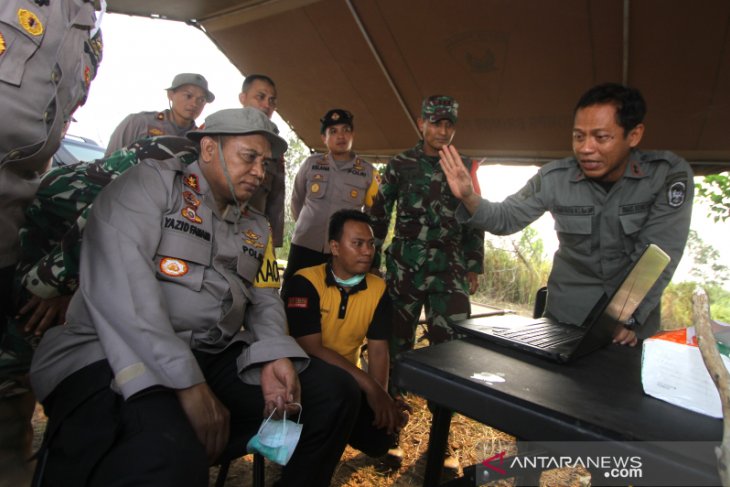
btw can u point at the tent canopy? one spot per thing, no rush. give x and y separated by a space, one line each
516 67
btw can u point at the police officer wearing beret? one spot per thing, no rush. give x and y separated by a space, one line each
187 96
609 201
185 344
324 184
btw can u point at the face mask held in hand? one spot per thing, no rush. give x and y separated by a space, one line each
276 438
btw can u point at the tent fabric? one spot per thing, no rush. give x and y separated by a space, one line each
517 67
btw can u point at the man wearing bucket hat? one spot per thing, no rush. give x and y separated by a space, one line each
185 343
187 96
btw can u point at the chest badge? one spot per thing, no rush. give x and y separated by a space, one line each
353 194
190 199
314 188
191 181
189 213
252 239
154 132
173 267
30 22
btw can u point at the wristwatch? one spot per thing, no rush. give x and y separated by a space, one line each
631 324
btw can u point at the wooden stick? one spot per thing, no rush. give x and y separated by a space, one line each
719 374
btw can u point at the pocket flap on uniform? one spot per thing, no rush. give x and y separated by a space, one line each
632 223
186 247
574 224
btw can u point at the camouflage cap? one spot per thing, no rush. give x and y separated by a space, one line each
192 79
336 116
241 121
439 107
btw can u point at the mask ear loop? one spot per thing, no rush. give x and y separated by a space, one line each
298 417
265 422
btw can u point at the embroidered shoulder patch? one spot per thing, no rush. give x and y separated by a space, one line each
173 267
297 302
676 194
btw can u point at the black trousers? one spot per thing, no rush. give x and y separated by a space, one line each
96 438
367 438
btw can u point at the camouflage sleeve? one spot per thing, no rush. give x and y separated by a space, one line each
57 273
382 208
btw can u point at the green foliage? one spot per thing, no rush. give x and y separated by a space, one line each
715 189
514 269
295 155
707 267
677 304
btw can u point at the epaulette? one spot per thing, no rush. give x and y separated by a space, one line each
558 165
661 156
171 164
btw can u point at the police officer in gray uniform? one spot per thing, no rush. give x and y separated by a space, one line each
187 96
610 200
185 343
326 183
259 91
49 53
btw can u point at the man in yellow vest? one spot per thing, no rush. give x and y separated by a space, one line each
332 308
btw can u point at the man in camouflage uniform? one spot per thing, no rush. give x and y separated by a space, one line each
433 259
50 241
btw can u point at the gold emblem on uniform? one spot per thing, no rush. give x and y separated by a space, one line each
173 267
189 213
2 43
160 116
251 238
191 181
358 164
30 22
317 177
87 75
315 188
154 132
190 199
353 193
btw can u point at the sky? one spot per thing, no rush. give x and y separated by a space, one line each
141 56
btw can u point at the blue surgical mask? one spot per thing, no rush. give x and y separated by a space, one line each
277 438
351 282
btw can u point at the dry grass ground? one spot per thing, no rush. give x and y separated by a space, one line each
469 440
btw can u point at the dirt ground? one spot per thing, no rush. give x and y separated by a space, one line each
470 441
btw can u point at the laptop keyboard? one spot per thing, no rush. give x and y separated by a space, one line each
542 335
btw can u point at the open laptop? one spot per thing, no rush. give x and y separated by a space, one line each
563 342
